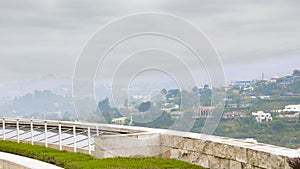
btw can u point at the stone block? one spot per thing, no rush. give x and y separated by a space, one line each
264 160
178 142
167 140
203 160
208 148
192 144
224 151
286 164
252 157
247 166
240 154
224 163
235 164
194 157
214 162
165 153
188 144
174 153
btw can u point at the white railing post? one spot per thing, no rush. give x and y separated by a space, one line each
59 131
74 138
18 138
89 140
46 135
97 130
31 130
3 128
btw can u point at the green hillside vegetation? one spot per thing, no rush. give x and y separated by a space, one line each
70 160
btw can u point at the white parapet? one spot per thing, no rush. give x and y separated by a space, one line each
126 145
20 162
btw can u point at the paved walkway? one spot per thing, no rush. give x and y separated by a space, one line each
20 162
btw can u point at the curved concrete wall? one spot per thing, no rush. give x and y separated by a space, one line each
205 150
11 161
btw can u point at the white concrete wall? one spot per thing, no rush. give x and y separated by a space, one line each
11 161
208 151
128 145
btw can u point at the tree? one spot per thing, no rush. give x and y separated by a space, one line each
165 120
106 113
126 103
164 92
103 105
195 89
278 126
296 72
205 98
145 106
295 86
173 93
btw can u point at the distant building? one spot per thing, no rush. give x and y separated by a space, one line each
250 97
273 79
244 105
286 80
119 121
176 114
203 89
251 140
232 115
289 108
292 108
265 97
289 94
260 116
289 116
169 107
248 89
244 83
232 105
205 111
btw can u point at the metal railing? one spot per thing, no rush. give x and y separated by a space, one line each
75 135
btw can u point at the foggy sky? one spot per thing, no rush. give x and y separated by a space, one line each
45 37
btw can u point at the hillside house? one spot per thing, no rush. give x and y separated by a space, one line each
292 108
232 115
260 116
205 111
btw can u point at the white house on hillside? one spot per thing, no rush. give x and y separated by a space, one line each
260 116
120 121
292 108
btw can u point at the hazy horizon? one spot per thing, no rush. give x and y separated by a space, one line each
251 38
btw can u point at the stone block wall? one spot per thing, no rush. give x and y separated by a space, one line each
218 153
205 150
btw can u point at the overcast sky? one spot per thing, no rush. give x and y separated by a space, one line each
45 37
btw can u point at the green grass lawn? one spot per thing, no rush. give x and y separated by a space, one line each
71 160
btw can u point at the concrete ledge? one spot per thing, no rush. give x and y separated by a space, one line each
205 150
11 161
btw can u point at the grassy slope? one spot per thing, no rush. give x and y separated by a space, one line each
70 160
